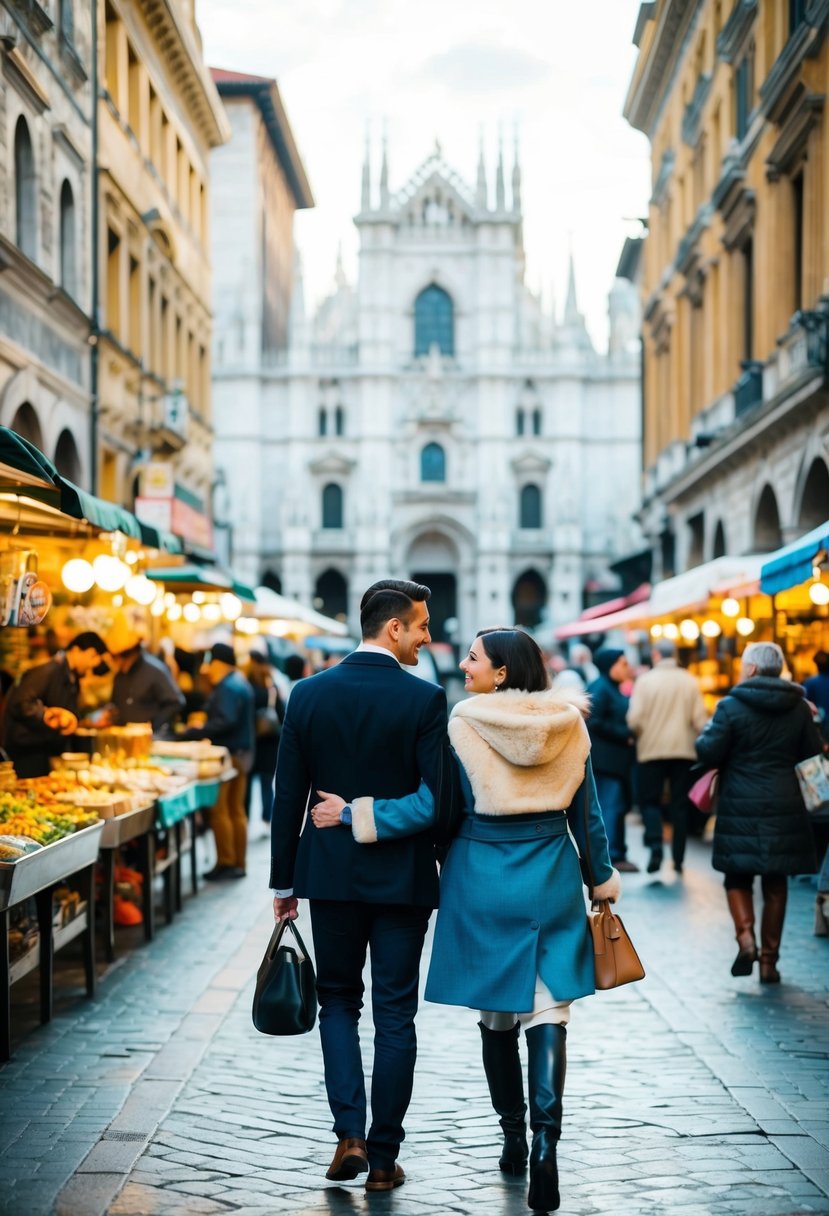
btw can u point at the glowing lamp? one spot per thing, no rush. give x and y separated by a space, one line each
671 632
158 608
689 630
77 575
819 594
656 631
710 629
110 572
199 597
211 612
745 626
141 589
174 612
191 613
730 606
231 606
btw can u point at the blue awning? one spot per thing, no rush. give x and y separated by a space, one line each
793 563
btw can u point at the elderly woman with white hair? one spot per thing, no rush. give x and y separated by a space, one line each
756 737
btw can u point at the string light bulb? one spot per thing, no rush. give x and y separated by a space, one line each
711 629
689 630
745 626
77 575
110 572
730 606
819 594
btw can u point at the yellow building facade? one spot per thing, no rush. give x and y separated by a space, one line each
736 274
159 116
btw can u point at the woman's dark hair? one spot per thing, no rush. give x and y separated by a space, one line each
516 650
391 597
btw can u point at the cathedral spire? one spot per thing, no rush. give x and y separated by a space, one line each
365 199
571 308
516 175
480 186
500 192
384 173
339 272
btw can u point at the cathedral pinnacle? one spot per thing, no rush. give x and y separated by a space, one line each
480 186
571 308
384 174
365 195
500 192
516 176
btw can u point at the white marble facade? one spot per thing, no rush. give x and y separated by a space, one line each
431 421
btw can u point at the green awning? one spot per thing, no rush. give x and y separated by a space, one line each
200 578
25 470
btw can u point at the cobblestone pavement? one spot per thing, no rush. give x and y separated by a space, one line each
690 1093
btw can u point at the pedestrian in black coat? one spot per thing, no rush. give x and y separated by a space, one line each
756 737
612 749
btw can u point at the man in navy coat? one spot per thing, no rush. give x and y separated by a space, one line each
366 728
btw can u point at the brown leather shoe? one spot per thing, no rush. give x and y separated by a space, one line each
349 1160
385 1180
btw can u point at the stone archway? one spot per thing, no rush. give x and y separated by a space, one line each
67 459
814 502
529 599
767 533
26 424
433 559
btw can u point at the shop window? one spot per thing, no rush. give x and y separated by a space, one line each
434 321
25 185
433 463
332 506
530 507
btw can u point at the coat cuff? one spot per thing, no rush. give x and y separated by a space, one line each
363 827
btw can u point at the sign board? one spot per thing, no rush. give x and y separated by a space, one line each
157 480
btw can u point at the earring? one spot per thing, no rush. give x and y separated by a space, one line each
497 687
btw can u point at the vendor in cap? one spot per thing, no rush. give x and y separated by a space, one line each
42 710
143 689
229 724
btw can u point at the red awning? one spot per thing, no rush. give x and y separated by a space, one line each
603 617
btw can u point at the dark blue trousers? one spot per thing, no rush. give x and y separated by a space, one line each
393 937
612 792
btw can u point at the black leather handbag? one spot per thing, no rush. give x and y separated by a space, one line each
285 1000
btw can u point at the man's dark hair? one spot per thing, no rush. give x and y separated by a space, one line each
821 661
390 598
294 667
520 654
88 641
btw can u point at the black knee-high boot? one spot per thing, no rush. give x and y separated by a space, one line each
547 1045
502 1065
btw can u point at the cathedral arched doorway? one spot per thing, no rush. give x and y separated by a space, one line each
529 599
331 594
272 581
433 560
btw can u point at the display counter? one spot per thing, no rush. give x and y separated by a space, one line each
37 875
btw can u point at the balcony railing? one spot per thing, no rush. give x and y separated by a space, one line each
748 391
804 347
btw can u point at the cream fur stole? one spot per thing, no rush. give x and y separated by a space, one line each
522 751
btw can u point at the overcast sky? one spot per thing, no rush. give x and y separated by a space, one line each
446 69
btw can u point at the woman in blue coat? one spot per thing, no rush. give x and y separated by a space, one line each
511 937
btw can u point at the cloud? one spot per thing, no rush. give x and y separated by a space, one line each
475 67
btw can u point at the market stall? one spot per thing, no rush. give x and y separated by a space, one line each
796 579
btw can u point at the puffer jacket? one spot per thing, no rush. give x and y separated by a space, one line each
757 735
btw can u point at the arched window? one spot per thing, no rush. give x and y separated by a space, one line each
332 506
434 321
530 507
433 463
536 422
68 260
339 420
331 594
529 598
67 460
67 20
519 422
814 505
767 534
272 580
25 423
322 422
25 187
719 540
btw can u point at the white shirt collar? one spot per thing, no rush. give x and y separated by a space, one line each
371 648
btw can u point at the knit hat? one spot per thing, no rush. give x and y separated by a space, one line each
606 658
222 653
88 641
